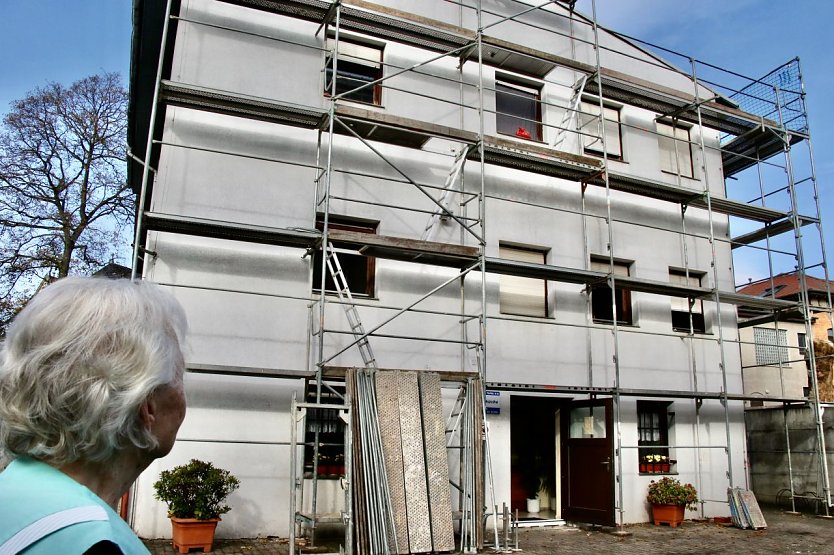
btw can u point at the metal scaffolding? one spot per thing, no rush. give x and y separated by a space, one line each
761 121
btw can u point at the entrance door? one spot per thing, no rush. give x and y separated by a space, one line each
588 462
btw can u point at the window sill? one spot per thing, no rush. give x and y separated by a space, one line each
522 139
619 324
357 102
691 178
611 157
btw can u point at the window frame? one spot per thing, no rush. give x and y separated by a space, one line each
589 112
649 411
507 282
347 260
355 53
519 89
667 163
680 315
600 310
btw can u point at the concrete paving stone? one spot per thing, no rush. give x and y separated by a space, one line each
785 534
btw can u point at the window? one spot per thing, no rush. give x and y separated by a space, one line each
589 126
653 431
358 269
518 110
772 291
831 334
681 306
771 347
601 294
800 340
675 149
357 65
522 295
331 429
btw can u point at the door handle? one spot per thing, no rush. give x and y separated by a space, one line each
606 462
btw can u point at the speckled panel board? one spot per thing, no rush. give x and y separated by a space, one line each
437 465
414 465
388 407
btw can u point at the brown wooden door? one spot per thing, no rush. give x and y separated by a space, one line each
588 462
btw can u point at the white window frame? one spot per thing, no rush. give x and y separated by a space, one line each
672 140
588 117
522 296
681 304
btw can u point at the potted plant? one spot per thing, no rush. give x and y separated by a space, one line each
669 498
195 495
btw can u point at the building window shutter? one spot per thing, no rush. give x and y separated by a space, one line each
522 295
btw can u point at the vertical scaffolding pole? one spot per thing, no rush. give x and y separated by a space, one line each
820 429
714 257
146 167
618 474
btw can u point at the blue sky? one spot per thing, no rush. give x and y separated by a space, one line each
63 40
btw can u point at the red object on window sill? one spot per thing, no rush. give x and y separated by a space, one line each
523 133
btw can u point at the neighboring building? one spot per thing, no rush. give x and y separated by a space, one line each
494 218
774 353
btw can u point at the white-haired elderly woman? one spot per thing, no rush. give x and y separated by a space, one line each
91 391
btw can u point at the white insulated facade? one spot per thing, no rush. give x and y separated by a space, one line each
252 308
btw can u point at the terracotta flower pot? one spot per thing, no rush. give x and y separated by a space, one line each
643 467
664 467
190 532
667 514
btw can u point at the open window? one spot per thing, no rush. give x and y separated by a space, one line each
358 64
522 295
681 306
601 294
359 270
675 149
653 436
518 109
589 126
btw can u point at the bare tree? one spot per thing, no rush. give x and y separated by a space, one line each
64 198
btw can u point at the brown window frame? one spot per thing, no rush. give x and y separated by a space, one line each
352 264
354 71
601 298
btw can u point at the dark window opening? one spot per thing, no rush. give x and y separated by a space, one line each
681 306
357 65
518 110
653 436
601 308
358 269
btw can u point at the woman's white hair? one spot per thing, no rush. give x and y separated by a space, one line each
77 363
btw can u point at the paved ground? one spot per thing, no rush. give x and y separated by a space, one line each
785 534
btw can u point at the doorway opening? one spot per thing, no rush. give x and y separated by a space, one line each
535 456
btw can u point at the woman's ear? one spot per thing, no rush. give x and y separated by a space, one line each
147 412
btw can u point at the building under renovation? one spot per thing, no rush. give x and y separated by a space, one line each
439 263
